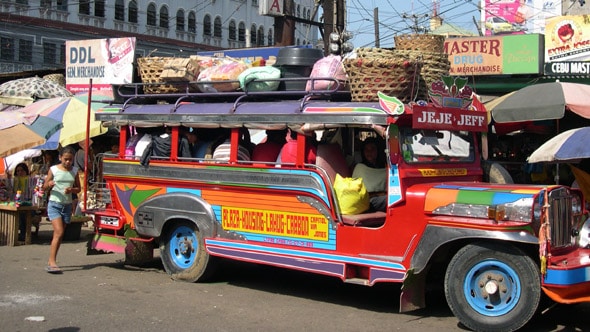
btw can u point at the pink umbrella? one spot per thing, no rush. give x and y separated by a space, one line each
545 101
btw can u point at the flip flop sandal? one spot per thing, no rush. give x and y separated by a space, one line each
53 269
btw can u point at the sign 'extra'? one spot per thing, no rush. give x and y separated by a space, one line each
448 119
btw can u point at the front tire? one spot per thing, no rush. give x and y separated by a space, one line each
492 287
183 253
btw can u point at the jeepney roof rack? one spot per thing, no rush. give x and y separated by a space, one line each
264 109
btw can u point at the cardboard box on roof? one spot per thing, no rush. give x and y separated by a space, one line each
180 70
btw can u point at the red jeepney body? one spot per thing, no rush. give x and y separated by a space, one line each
287 215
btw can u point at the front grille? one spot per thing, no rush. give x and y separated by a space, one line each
561 217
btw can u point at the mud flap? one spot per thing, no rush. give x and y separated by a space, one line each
412 296
138 252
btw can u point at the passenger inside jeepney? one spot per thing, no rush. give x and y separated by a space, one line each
372 169
222 150
268 151
288 152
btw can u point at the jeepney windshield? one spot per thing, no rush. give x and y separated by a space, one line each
444 146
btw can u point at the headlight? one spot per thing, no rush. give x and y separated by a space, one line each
519 210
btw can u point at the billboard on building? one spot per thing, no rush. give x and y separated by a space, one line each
105 61
502 17
567 38
495 55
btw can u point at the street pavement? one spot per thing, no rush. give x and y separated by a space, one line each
101 293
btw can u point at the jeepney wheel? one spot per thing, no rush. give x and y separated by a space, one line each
183 254
492 287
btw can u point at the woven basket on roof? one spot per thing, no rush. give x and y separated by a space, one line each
420 42
434 65
150 69
371 71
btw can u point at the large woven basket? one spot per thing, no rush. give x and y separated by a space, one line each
388 71
150 69
434 65
420 42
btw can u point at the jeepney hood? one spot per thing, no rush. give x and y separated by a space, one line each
480 200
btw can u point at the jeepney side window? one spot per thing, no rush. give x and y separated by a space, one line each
436 146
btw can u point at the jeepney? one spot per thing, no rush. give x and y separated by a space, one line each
495 248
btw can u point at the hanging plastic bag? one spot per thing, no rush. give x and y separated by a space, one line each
352 195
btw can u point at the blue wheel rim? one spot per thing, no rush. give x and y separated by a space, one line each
494 274
183 247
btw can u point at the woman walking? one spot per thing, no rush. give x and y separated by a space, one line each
63 181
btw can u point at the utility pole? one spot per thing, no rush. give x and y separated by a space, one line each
376 22
285 26
415 26
334 19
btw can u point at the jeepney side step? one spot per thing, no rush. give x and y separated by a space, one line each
357 281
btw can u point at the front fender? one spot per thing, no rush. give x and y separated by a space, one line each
152 215
436 236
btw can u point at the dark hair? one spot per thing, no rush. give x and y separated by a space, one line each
67 149
23 166
380 162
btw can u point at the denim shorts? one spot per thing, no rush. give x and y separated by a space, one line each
57 210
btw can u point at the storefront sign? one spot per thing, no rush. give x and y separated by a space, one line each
105 61
505 55
567 38
567 68
448 119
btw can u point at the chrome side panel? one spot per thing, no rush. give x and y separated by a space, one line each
151 216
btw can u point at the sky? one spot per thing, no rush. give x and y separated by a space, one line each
398 17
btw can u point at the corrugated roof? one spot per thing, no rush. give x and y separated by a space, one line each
450 30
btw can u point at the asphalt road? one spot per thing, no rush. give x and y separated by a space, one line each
101 293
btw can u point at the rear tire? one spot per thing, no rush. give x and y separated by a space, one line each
492 287
183 253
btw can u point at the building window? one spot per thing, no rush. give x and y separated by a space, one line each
151 15
254 2
22 2
232 30
62 5
207 25
298 11
253 35
120 10
49 53
132 12
84 7
241 32
260 36
164 17
180 20
25 50
270 36
7 49
62 54
99 8
217 27
192 22
45 3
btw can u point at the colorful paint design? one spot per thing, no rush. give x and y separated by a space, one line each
444 195
343 110
305 226
269 218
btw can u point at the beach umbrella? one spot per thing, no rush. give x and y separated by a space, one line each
545 101
25 91
568 146
72 112
17 138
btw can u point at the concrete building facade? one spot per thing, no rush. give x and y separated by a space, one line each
33 32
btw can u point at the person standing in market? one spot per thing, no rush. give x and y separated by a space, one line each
62 181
